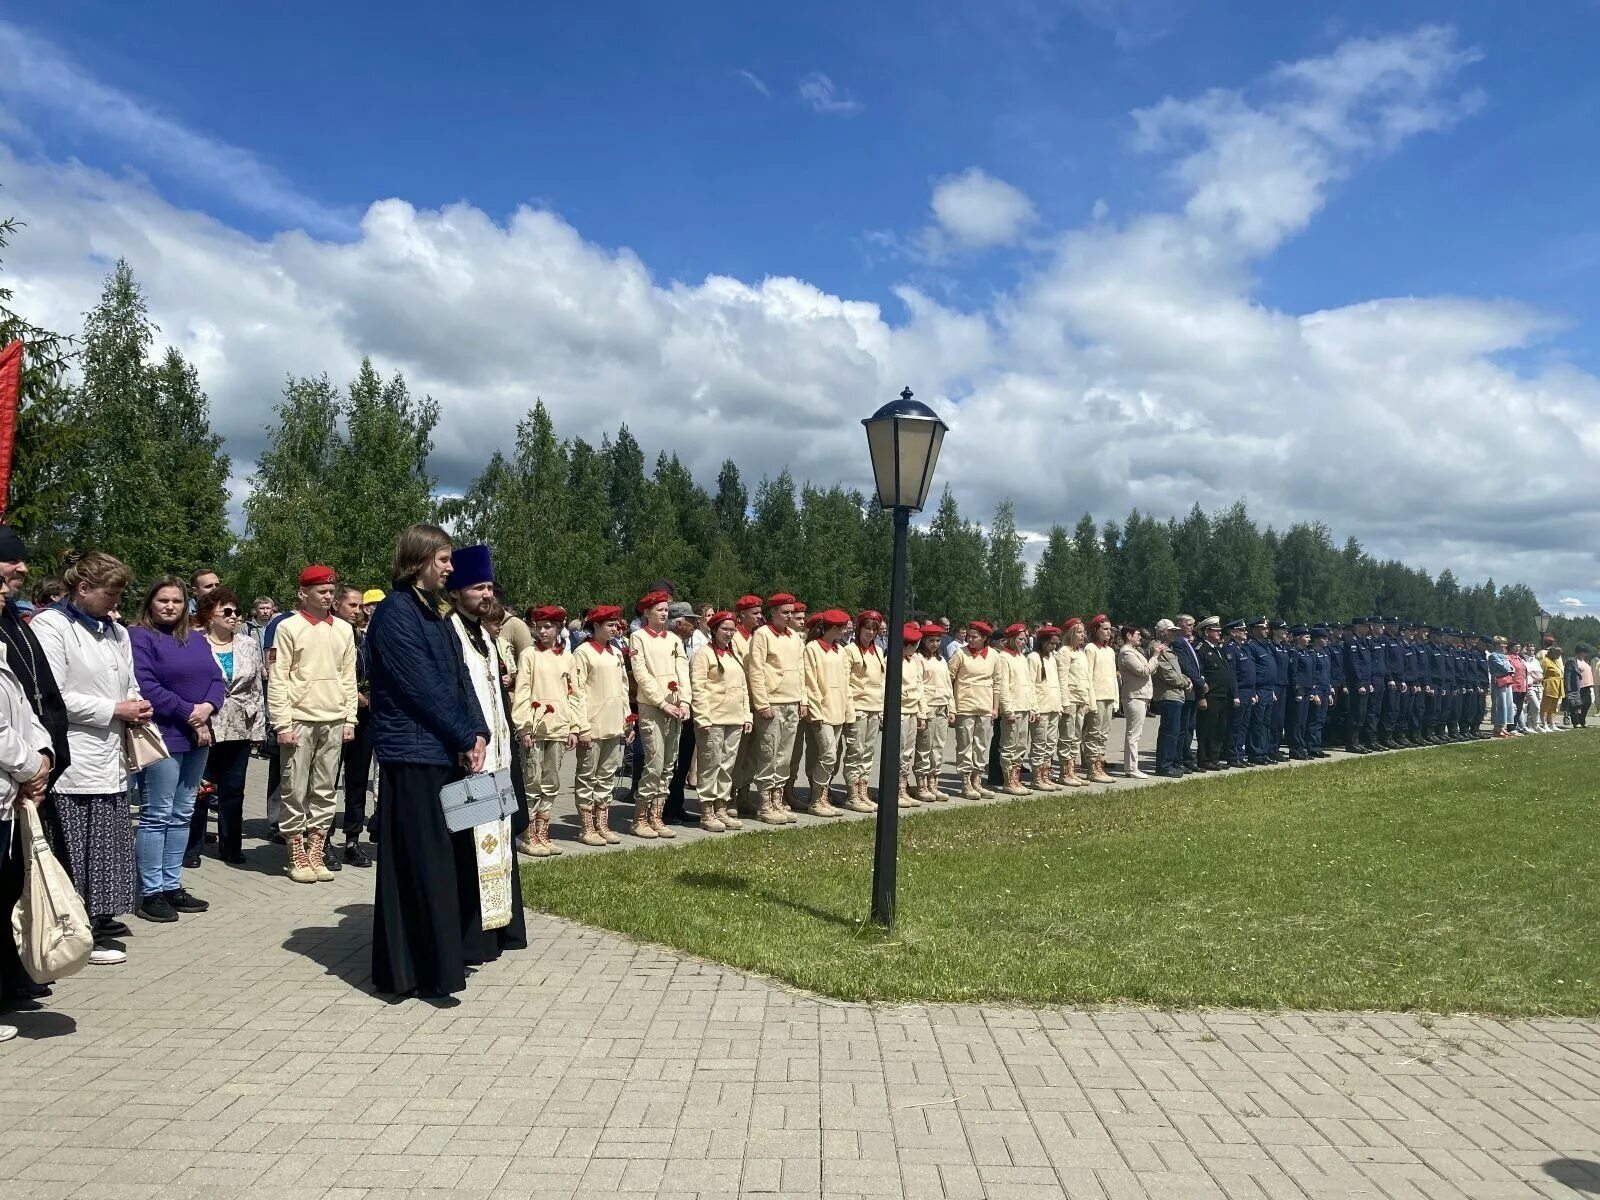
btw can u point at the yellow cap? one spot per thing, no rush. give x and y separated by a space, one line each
372 595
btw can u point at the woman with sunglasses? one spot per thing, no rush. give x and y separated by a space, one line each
235 729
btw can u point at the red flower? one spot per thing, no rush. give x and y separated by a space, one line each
549 708
672 687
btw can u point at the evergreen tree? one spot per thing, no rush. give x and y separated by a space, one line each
1091 584
626 488
951 567
732 504
1145 585
1005 573
1237 579
193 470
1052 582
777 540
828 571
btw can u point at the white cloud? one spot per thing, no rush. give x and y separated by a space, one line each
33 73
974 210
1132 364
822 95
754 81
1570 602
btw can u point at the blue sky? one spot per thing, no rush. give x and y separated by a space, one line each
641 129
1318 261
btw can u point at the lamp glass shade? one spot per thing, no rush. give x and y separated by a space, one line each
1542 621
903 438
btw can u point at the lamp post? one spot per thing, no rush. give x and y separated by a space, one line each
903 438
1542 621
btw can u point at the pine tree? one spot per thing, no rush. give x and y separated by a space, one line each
1005 573
1091 584
732 504
776 539
1052 581
1145 584
194 532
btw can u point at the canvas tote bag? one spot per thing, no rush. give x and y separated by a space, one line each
49 922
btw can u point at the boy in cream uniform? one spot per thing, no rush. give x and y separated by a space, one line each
721 721
828 706
602 724
747 619
805 627
774 674
1104 691
661 677
1014 696
1077 689
913 713
972 674
938 705
545 714
866 699
1042 666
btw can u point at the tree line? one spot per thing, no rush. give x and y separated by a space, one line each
119 455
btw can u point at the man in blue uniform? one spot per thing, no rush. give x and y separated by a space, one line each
1433 689
1450 691
1394 683
1357 662
1245 698
1281 652
1187 653
1371 728
1322 691
1216 701
1302 687
1406 727
1264 715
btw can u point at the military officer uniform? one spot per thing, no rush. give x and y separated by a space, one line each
1263 716
1278 639
1322 689
1301 688
1211 722
1245 699
1357 655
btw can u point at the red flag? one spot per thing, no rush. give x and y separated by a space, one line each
10 392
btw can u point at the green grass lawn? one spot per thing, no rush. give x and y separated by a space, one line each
1455 879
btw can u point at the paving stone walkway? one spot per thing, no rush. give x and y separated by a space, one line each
239 1053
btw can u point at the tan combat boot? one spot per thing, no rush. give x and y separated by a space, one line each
930 790
1041 781
771 811
602 824
641 822
591 835
711 820
316 844
821 805
299 864
1097 772
730 819
663 830
1069 775
529 842
544 835
906 799
969 787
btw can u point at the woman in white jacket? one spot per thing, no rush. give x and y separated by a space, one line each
92 660
25 762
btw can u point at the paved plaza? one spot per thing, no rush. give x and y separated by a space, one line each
240 1053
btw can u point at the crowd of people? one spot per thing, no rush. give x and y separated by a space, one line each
437 679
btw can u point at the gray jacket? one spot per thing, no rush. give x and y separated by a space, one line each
241 719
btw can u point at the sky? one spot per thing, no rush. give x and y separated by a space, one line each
1139 253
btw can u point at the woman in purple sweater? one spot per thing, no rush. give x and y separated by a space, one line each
180 678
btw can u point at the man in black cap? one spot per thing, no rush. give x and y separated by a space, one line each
1245 698
27 661
1357 663
1215 705
1322 691
1264 715
1301 690
1283 662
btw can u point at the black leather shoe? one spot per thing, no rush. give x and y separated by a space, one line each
234 859
1170 773
191 862
110 927
156 908
181 901
355 855
330 858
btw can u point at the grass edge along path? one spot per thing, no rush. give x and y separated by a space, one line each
1455 879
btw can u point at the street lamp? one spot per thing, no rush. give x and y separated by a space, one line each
903 438
1543 622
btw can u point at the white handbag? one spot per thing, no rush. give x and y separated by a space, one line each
49 922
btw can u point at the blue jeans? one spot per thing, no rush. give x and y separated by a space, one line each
169 788
1503 716
1169 750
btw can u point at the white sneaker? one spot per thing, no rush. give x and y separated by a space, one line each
105 956
7 1032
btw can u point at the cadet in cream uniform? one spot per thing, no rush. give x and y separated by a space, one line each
1042 666
1077 698
1013 679
828 706
938 706
1104 691
866 699
661 677
602 724
721 721
972 673
747 618
913 712
544 715
775 676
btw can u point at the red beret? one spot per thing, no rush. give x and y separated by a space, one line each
1046 631
547 612
316 576
603 612
814 619
717 618
833 616
1070 623
931 630
1015 628
799 606
869 614
1099 619
912 632
746 603
778 600
982 627
650 600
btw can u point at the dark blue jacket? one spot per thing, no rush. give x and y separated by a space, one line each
1244 670
1302 670
423 707
1189 663
1357 664
1266 663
